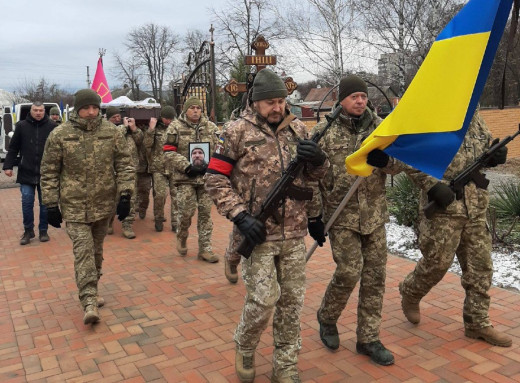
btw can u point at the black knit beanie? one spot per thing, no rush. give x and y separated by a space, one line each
351 84
85 97
268 85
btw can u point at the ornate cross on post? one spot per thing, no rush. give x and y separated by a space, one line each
260 60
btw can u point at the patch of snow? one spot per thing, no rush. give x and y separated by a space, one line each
401 240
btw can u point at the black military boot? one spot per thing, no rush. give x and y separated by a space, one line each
376 351
329 334
159 225
44 236
26 236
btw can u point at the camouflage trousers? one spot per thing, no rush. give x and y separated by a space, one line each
143 187
274 277
161 184
235 238
87 246
191 198
440 239
358 258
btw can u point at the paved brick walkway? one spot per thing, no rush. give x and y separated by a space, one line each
171 319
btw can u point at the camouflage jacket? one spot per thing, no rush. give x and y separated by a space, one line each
153 143
134 141
176 149
83 167
142 164
367 208
475 201
248 161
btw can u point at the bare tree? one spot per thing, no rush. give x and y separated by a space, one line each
323 31
154 47
238 25
42 90
129 71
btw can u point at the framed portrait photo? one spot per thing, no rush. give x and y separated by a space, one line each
199 153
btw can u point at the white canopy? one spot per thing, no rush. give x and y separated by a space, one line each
124 101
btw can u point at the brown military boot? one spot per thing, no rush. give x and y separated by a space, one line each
230 271
110 230
245 366
286 379
100 301
411 310
142 214
127 230
91 314
181 246
490 335
207 256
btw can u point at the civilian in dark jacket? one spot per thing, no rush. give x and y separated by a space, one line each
29 141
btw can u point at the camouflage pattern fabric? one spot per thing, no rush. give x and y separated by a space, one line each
84 165
87 246
144 185
358 258
235 238
153 143
274 277
459 230
248 160
161 184
142 164
192 197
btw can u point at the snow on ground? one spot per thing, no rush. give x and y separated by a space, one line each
401 241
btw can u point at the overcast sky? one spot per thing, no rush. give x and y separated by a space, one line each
58 39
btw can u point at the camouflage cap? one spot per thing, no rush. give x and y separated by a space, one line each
268 85
85 97
54 110
112 111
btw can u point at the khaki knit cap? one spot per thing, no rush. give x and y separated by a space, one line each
190 102
268 85
85 97
168 112
54 110
112 111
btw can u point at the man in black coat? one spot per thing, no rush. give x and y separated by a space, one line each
29 141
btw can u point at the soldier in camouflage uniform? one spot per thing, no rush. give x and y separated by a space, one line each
162 177
191 127
134 139
86 163
54 115
458 228
144 180
251 155
358 236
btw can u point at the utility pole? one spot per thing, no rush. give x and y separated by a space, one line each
88 77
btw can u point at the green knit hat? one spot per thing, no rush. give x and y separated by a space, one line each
54 110
190 102
268 85
112 111
168 112
351 84
85 97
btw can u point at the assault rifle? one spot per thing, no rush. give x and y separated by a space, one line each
284 187
471 173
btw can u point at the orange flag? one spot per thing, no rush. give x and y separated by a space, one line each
100 84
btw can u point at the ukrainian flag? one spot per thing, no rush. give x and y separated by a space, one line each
428 125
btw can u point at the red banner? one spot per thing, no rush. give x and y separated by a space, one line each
100 84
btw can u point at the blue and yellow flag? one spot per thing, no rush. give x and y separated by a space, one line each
428 125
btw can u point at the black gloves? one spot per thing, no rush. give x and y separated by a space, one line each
309 151
441 194
123 207
317 229
377 158
193 171
499 157
54 216
251 228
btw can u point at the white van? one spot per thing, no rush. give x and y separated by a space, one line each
9 117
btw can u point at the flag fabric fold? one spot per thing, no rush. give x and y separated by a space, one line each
100 84
426 128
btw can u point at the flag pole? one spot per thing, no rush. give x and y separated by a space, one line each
338 210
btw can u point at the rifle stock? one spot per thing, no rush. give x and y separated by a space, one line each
279 191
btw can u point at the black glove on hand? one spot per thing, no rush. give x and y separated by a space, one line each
441 194
309 151
499 157
377 158
123 207
251 228
317 229
54 216
194 171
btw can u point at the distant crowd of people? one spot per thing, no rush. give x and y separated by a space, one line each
92 168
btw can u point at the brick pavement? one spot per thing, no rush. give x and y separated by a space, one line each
171 319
